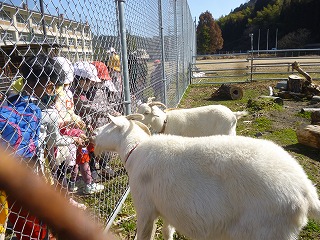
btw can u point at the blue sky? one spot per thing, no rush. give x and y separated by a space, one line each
216 7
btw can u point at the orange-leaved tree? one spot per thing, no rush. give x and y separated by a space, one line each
209 37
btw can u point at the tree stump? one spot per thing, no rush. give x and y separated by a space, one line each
309 135
295 83
227 91
315 117
315 99
309 110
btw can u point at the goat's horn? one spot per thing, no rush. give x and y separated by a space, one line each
135 116
157 103
150 99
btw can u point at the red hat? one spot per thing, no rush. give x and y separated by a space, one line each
102 69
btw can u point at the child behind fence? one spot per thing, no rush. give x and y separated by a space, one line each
40 80
85 75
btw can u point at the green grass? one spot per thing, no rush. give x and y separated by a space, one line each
283 137
311 231
306 115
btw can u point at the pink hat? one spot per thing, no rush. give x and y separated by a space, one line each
102 69
157 61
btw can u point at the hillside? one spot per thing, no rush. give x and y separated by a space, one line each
281 23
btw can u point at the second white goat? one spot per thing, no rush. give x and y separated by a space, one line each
191 122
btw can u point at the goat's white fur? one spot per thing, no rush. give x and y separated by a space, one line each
216 187
192 122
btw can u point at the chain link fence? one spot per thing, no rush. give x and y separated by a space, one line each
65 65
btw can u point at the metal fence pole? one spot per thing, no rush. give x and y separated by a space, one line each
124 56
195 40
164 80
117 210
43 20
177 50
251 67
183 47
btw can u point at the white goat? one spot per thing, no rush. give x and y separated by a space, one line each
216 187
192 122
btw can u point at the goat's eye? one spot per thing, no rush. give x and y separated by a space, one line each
146 113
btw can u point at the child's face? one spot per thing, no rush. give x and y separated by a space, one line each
85 84
50 89
41 88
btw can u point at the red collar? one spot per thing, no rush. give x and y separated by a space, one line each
163 126
126 159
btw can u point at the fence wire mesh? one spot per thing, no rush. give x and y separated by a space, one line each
61 74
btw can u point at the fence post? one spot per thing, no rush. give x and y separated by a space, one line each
195 40
124 56
190 73
183 46
177 48
164 80
251 71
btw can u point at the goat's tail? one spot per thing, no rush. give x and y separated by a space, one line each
314 204
314 211
240 114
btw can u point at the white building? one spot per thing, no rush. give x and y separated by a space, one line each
23 29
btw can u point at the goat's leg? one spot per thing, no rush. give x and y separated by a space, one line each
167 230
146 227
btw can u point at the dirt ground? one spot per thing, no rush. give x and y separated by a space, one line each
291 107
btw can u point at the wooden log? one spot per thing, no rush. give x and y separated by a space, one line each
228 91
310 110
312 90
315 117
284 95
309 135
295 83
296 66
315 99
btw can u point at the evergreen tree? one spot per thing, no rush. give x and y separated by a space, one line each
293 22
209 37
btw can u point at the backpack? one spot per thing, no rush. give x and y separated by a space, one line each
20 125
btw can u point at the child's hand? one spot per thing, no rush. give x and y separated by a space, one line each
80 124
83 136
90 128
79 141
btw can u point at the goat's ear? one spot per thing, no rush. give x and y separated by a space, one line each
135 116
150 99
119 121
156 110
144 109
143 127
147 110
157 104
